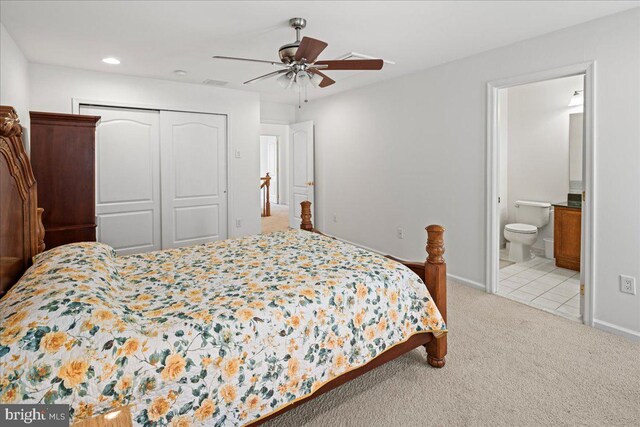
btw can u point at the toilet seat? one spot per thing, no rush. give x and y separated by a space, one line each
521 228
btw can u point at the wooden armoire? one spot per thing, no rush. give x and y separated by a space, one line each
63 161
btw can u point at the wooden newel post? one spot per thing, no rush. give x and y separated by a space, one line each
305 214
435 273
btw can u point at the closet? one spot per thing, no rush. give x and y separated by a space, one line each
161 178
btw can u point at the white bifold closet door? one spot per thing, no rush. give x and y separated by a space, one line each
194 178
161 178
127 178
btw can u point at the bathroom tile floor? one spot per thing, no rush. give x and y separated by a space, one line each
539 283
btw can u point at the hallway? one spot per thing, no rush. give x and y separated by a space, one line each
278 221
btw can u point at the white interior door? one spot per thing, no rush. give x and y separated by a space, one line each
194 178
127 178
302 183
269 163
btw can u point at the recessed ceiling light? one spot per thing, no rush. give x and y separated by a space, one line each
111 61
180 73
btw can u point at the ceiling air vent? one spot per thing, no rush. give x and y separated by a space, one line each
211 82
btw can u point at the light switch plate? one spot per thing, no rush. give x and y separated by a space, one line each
627 284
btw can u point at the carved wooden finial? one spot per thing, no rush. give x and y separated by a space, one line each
40 230
435 244
9 123
305 214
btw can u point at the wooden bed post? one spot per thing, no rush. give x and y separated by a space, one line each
305 214
435 277
433 272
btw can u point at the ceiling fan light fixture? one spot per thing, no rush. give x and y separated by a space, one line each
300 67
316 79
285 80
302 78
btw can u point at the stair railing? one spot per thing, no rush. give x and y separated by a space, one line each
265 182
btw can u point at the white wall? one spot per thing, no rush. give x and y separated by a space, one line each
538 144
52 89
411 151
14 79
576 127
282 133
277 113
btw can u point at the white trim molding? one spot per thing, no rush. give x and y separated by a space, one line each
618 330
467 282
458 279
493 170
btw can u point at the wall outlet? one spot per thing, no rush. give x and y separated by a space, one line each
400 233
627 284
238 222
335 217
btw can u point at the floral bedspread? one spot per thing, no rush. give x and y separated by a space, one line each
216 334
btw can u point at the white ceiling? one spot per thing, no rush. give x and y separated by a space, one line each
154 38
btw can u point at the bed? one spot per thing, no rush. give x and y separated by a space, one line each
230 333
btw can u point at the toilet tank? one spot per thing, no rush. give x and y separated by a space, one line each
533 213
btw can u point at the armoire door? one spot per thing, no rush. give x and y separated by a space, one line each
127 178
194 178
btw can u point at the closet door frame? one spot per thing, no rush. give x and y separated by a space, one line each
75 109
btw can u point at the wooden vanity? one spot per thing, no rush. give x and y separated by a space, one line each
567 234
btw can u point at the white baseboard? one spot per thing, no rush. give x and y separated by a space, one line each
455 278
605 326
467 282
618 330
375 251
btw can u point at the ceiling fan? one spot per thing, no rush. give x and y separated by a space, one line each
299 62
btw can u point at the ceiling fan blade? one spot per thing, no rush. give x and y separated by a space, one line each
266 76
309 49
279 64
353 64
326 80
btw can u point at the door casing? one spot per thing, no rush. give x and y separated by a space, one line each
588 204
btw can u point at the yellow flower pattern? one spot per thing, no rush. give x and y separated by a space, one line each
221 334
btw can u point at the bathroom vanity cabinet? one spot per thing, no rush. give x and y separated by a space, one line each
567 234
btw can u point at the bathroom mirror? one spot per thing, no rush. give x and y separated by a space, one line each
575 152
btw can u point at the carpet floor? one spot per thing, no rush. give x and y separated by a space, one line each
508 365
278 221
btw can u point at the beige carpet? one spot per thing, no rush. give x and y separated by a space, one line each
508 365
278 221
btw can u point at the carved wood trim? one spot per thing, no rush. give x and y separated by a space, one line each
20 221
60 119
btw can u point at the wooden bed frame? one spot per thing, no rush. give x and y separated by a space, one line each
22 237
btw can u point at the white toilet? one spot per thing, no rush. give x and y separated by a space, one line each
522 234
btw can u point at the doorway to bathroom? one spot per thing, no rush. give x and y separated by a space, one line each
539 167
